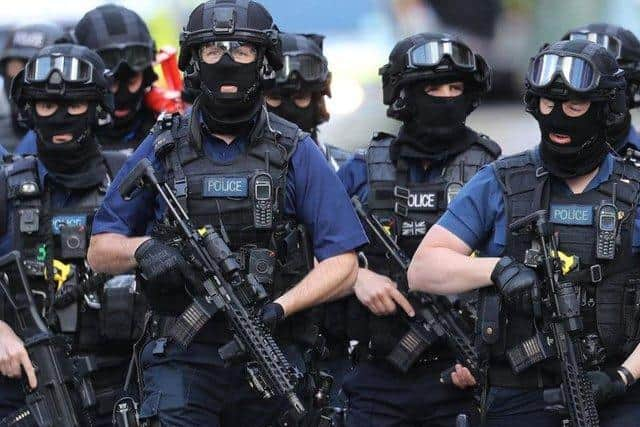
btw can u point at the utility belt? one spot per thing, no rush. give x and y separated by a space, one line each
434 356
96 310
501 375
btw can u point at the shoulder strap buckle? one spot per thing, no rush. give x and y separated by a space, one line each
180 187
540 172
401 192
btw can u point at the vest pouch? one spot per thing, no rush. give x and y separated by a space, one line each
631 315
295 256
609 314
118 308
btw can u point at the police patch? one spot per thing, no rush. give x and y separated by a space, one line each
59 221
225 186
571 214
423 201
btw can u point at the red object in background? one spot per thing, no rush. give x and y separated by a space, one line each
167 96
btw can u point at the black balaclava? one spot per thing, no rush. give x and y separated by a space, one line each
124 99
229 113
76 164
618 134
436 128
587 148
306 118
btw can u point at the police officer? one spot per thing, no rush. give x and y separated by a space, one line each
122 40
211 161
571 174
64 92
431 83
22 44
625 47
301 87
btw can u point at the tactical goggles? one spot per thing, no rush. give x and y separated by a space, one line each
578 73
137 57
611 43
432 53
310 68
240 52
71 69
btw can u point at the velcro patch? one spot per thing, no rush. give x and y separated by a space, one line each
571 214
423 201
225 186
60 221
414 228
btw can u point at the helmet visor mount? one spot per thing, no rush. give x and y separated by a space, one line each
310 68
137 56
431 54
611 43
71 70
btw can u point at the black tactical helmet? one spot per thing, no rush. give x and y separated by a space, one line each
26 41
230 20
63 71
120 37
577 69
623 45
305 66
433 56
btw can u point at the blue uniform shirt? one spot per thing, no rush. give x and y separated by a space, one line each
313 194
3 151
353 175
633 138
60 198
27 144
477 214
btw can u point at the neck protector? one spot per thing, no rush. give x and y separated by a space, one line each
587 148
228 112
75 164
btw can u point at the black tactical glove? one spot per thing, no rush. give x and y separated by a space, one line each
272 314
606 385
163 266
513 278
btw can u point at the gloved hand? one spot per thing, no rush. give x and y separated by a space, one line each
606 385
164 266
272 314
513 278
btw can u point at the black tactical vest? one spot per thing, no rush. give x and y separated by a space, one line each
53 243
409 210
229 197
610 290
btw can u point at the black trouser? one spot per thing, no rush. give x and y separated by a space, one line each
380 396
194 387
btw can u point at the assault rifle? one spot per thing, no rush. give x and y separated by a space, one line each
436 319
565 323
224 289
64 390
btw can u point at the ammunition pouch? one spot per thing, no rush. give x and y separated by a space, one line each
122 310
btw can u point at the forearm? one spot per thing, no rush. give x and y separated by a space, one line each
444 271
113 253
633 362
331 279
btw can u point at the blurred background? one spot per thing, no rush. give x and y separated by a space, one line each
361 33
